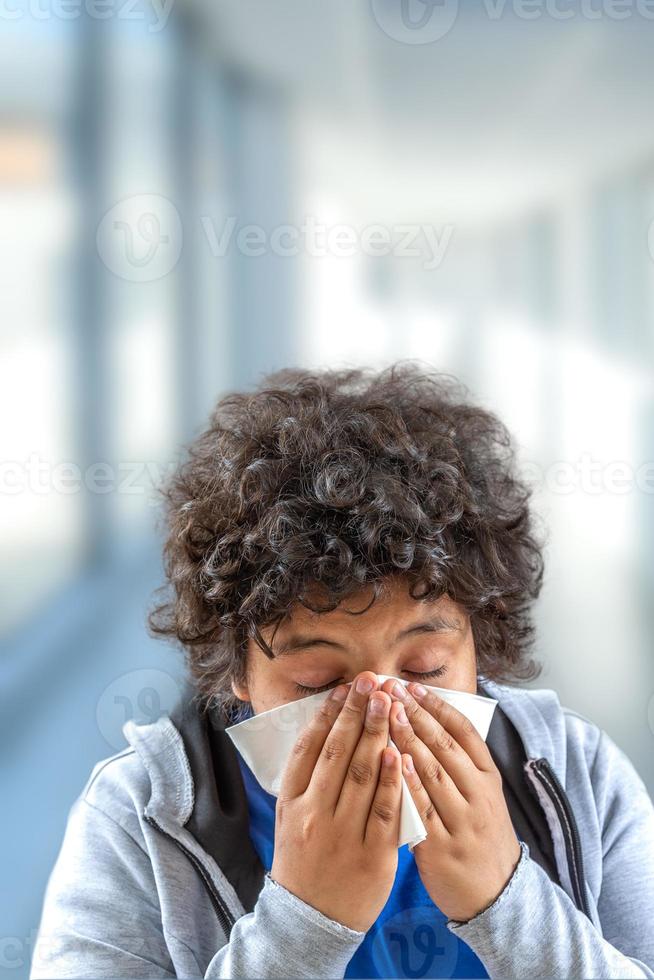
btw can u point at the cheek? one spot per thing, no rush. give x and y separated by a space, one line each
465 668
265 698
266 703
269 690
267 682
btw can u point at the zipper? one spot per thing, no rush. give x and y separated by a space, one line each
543 772
225 917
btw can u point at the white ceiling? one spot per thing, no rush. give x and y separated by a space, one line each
499 113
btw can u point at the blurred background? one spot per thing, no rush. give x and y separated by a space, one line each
195 192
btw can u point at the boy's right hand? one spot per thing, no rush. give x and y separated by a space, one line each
338 810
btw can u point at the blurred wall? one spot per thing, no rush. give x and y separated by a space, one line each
194 193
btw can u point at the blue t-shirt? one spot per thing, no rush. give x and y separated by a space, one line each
410 937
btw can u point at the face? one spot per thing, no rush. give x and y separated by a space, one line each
423 640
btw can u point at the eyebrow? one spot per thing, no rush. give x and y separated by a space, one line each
435 624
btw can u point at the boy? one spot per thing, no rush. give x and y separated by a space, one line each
327 528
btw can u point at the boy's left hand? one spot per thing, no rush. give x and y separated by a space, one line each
471 849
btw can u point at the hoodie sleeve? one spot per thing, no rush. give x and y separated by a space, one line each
100 913
284 936
101 917
534 929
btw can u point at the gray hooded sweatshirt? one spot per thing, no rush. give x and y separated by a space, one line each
135 893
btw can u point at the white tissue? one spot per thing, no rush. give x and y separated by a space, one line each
265 742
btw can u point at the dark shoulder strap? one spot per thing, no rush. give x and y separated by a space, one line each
220 819
527 815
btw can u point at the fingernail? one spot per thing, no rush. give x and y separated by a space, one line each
401 717
364 684
408 764
339 693
399 690
418 690
377 706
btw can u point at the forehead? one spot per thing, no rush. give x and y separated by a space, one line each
358 612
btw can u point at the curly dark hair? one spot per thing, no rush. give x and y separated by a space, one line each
329 481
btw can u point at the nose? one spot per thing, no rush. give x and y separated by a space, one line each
370 680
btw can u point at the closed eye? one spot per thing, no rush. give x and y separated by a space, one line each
422 674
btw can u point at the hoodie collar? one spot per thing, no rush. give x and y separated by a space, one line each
538 717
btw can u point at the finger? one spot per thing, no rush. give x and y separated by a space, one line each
309 743
383 824
438 783
440 742
334 757
458 724
360 782
440 717
424 804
